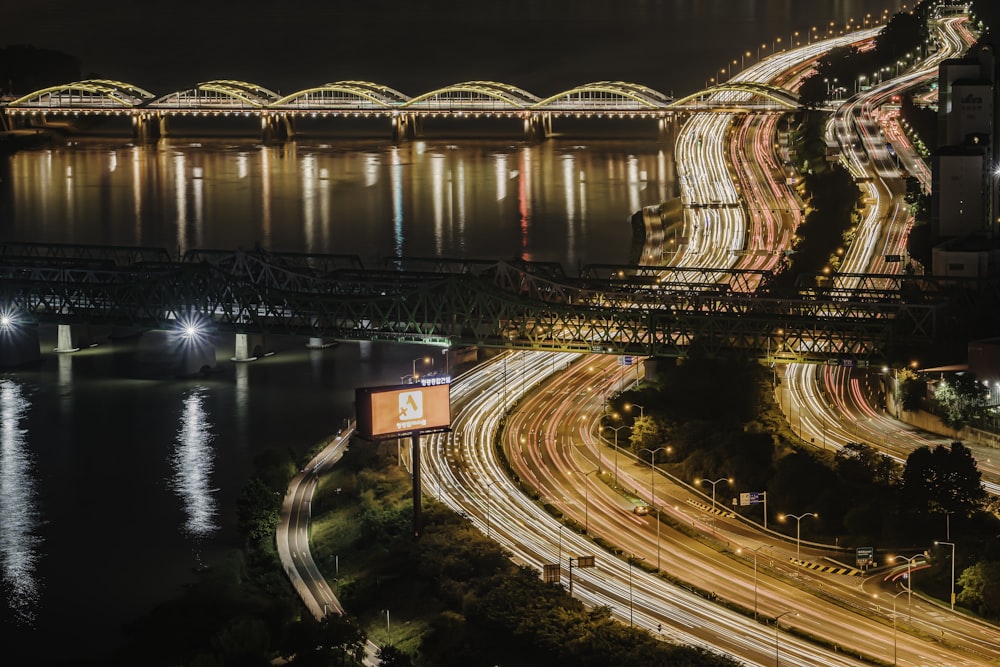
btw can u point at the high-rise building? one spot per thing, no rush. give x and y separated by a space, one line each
965 165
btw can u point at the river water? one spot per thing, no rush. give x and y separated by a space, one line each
116 480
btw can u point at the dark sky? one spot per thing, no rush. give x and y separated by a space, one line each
544 46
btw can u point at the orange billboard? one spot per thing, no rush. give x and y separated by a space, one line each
385 412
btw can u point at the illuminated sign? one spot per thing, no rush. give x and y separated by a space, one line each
388 411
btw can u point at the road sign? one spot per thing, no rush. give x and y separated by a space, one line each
848 363
585 561
551 574
625 360
751 498
865 556
833 362
893 258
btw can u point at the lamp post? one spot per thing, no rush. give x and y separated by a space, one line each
652 457
629 406
776 619
909 583
713 483
894 658
755 550
388 630
424 360
798 523
616 429
952 545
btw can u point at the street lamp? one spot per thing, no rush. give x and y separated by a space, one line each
952 545
909 582
713 483
776 619
893 623
798 523
755 550
652 457
616 429
424 360
629 406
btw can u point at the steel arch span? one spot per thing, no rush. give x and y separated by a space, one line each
217 94
776 94
473 96
612 95
86 94
343 96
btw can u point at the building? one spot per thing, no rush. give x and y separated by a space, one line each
964 207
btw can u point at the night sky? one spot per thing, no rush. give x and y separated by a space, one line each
544 46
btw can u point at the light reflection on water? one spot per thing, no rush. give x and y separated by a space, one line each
193 462
19 515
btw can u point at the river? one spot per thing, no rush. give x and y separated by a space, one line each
117 481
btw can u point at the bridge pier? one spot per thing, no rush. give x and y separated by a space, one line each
146 128
72 337
405 127
668 129
537 127
249 348
19 345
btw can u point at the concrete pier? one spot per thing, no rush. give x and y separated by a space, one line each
249 347
72 337
320 343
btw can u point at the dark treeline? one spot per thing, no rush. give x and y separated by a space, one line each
26 68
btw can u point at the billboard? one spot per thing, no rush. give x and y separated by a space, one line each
385 412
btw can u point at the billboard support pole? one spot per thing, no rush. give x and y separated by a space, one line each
415 458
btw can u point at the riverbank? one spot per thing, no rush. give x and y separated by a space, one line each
14 140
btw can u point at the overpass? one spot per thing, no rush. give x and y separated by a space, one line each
149 114
516 305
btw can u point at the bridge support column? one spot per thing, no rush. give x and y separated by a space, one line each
537 127
145 128
668 129
404 127
72 337
19 345
249 348
162 126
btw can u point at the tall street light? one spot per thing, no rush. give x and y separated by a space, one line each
713 482
616 429
909 583
652 457
424 360
952 545
629 406
755 550
798 524
893 623
776 619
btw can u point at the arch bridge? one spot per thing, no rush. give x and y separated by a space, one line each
453 302
352 99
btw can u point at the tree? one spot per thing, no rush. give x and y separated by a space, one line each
980 588
962 399
912 388
258 509
864 465
646 433
943 481
390 656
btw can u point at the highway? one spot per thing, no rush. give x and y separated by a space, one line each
550 439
